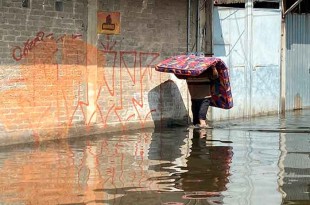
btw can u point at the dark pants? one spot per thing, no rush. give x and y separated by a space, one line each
200 109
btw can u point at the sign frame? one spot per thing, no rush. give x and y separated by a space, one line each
108 22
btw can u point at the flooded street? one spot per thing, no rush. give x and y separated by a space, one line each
264 160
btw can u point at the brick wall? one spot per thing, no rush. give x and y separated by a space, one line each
44 73
150 31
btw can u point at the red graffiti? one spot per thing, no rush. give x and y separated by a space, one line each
19 53
134 65
57 81
108 47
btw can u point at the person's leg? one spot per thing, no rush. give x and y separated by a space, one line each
195 111
203 111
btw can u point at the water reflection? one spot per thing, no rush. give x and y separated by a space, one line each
207 166
196 168
173 166
195 165
295 178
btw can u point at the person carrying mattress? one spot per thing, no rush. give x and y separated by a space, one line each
200 93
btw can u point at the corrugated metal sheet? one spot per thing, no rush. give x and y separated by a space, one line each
297 61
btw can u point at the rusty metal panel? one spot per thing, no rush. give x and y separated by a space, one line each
297 61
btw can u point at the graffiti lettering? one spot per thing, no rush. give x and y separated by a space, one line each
19 53
56 87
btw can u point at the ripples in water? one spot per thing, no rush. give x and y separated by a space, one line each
236 163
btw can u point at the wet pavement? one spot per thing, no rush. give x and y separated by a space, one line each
263 160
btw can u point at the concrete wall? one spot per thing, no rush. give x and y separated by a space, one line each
58 79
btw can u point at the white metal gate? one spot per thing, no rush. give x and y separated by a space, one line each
249 41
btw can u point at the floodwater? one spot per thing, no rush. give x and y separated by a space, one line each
264 160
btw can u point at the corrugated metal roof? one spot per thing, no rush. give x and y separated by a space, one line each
266 0
240 1
228 1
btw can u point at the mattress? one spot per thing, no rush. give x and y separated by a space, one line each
192 66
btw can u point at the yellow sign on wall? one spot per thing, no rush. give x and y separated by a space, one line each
108 22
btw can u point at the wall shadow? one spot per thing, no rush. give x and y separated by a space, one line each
219 44
168 106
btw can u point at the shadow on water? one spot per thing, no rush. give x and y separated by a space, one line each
175 166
